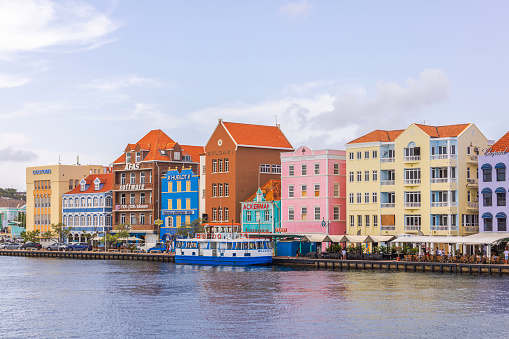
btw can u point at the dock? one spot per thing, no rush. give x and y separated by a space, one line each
90 255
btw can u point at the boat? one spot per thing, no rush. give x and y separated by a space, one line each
223 245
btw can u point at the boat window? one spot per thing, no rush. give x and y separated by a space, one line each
244 245
251 245
208 245
229 246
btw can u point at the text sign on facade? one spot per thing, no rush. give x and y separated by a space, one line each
257 206
130 187
177 212
281 230
131 207
44 171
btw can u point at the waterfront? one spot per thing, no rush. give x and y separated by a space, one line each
56 298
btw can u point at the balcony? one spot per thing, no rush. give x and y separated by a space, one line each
444 156
472 158
412 227
133 207
444 180
412 205
472 227
388 182
472 182
387 159
472 205
444 204
412 158
387 205
412 182
443 228
388 228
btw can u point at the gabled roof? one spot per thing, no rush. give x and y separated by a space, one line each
257 135
501 145
446 131
4 202
152 142
378 135
271 191
106 182
193 151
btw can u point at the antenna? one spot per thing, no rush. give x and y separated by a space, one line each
59 160
276 119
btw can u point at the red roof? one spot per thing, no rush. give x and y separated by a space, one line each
193 151
106 179
257 135
502 144
443 131
378 135
271 191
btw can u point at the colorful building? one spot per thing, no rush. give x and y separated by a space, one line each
421 180
45 187
88 207
179 200
261 212
313 191
10 212
238 158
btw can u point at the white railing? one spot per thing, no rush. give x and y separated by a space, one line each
387 204
387 159
412 204
471 181
470 224
444 204
412 158
388 228
444 180
412 227
472 158
388 182
444 156
412 181
472 229
443 228
471 204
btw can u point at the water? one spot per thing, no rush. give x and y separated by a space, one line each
58 298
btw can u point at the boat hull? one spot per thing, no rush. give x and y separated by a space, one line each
226 261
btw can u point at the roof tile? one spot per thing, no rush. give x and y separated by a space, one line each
257 135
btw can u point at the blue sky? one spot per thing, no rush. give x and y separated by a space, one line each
86 78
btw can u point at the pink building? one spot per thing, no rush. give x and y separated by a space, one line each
313 191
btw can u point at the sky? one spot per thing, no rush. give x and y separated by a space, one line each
85 78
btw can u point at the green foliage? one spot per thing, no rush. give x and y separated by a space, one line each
12 193
30 235
47 235
413 250
122 232
334 248
350 249
382 249
189 230
62 231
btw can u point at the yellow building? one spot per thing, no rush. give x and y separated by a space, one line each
421 180
45 186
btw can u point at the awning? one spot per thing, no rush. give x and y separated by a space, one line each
358 238
382 238
501 215
487 215
486 166
486 238
336 238
500 190
428 239
500 165
314 237
486 190
129 239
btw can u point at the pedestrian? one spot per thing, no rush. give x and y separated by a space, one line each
343 254
297 252
506 254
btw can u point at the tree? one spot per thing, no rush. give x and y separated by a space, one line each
190 229
122 232
61 231
30 235
48 234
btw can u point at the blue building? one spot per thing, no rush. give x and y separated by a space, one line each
88 207
179 200
261 213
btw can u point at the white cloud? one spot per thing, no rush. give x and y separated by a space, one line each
13 139
33 109
296 9
9 80
35 25
122 82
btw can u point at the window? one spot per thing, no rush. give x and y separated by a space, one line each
336 169
122 218
142 177
375 198
257 216
502 224
366 198
468 172
128 157
486 175
291 213
317 190
142 219
276 169
220 214
266 215
227 165
133 178
486 199
359 220
108 220
375 220
317 212
226 214
248 216
203 193
351 198
220 189
303 213
350 155
291 170
359 155
214 214
359 198
142 197
488 224
352 221
366 219
226 190
83 187
351 177
303 189
133 199
290 191
220 162
317 168
70 184
214 166
214 190
122 178
336 213
303 169
95 203
138 156
500 174
359 176
264 168
366 155
501 199
203 171
414 221
366 175
108 201
336 190
374 154
188 186
375 175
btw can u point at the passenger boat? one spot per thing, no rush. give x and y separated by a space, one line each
223 245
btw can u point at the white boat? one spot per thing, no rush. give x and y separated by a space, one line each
223 245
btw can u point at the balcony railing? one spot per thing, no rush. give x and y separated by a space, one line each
444 204
387 159
412 158
443 228
388 182
472 158
387 204
412 227
472 229
388 228
471 204
444 180
472 182
412 205
444 156
412 181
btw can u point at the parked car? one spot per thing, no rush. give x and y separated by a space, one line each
79 246
13 246
31 246
56 247
158 248
4 244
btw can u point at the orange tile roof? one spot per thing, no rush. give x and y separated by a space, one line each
106 179
153 141
502 144
378 135
271 190
193 151
257 135
446 131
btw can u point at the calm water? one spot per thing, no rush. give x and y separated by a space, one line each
56 298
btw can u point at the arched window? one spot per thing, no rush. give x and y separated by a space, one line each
82 223
83 202
101 223
96 220
89 202
89 220
76 221
101 202
96 202
108 202
65 202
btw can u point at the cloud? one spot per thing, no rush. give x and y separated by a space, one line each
33 109
10 154
122 82
295 10
9 80
37 25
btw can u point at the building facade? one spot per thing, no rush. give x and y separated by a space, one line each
238 158
88 207
45 187
313 198
137 179
421 180
261 212
11 212
493 187
179 200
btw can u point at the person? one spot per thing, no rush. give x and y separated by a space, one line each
437 251
297 252
506 256
343 254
